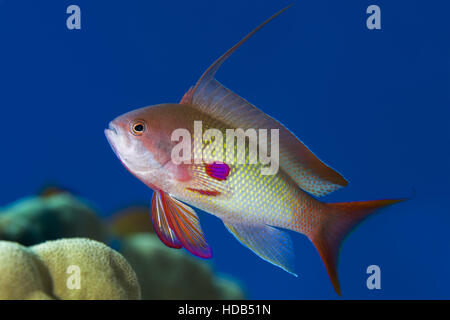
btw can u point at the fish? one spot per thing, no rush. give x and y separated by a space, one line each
258 209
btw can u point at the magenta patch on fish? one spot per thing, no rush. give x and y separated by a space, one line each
217 170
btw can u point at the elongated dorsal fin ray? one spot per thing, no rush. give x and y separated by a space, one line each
302 165
211 71
269 243
174 218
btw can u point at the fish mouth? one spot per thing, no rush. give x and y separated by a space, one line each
112 134
111 130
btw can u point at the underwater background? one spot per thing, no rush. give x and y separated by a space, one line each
373 104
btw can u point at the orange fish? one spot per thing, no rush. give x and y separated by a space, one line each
255 207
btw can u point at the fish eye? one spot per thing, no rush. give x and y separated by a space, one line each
138 127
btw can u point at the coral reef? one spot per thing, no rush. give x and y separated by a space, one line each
166 273
44 271
36 219
31 268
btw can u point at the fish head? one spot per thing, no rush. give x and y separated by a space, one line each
141 140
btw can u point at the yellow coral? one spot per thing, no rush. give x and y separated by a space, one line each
47 271
22 273
104 273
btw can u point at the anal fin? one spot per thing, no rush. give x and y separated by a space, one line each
269 243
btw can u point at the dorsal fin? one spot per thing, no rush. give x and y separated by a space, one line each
211 97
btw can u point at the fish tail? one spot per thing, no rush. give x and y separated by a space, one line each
336 222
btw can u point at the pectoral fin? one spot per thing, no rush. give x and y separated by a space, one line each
271 244
209 179
177 225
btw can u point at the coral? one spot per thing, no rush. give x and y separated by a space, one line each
166 273
22 274
45 271
37 219
104 273
49 270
